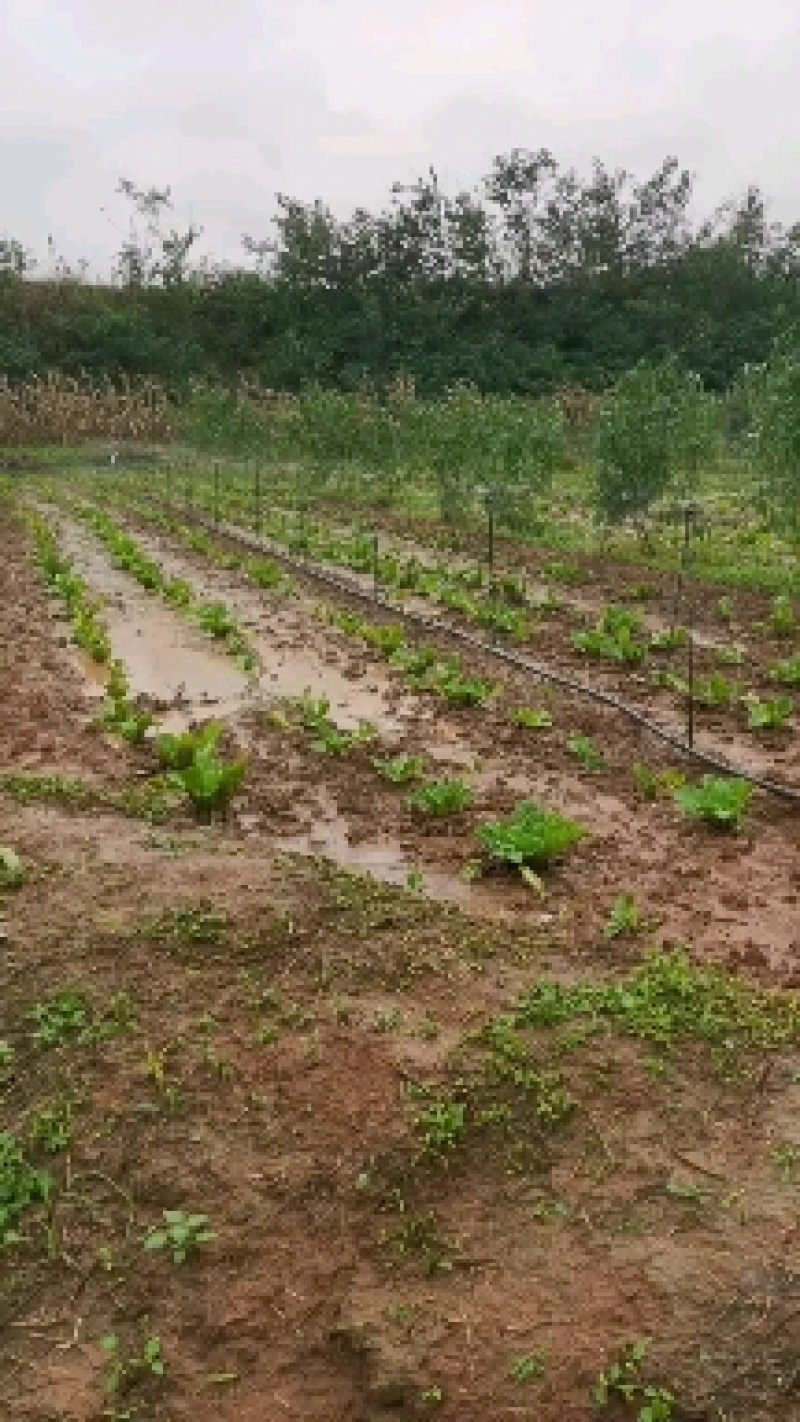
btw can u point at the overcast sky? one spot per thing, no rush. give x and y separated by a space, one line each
229 101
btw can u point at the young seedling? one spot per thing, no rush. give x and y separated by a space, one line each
7 1058
622 1380
584 750
528 1366
441 797
209 782
176 751
532 718
650 783
782 620
11 870
442 1126
669 640
715 692
729 656
465 690
51 1125
529 836
122 1373
124 718
768 715
63 1018
786 1159
623 919
719 800
400 769
182 1234
787 672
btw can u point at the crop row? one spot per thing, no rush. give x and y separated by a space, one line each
502 606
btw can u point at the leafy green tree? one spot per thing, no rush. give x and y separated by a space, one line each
651 427
775 404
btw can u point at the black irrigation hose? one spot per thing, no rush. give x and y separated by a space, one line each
435 624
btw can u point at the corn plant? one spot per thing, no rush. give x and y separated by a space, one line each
585 750
719 800
54 408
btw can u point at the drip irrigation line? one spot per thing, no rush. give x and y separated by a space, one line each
350 588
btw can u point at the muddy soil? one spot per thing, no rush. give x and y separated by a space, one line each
695 887
247 1038
721 731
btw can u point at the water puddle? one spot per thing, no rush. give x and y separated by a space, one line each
164 659
296 650
384 860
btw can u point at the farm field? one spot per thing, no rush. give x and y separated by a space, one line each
423 1038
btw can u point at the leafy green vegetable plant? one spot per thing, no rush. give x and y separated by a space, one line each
209 782
768 715
400 769
715 691
532 718
12 872
181 1233
530 835
719 800
177 750
441 797
465 690
787 672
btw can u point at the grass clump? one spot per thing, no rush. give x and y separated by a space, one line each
667 998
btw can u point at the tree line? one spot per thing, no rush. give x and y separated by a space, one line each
535 280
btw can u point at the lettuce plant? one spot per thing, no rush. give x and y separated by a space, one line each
530 835
441 797
720 800
768 715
